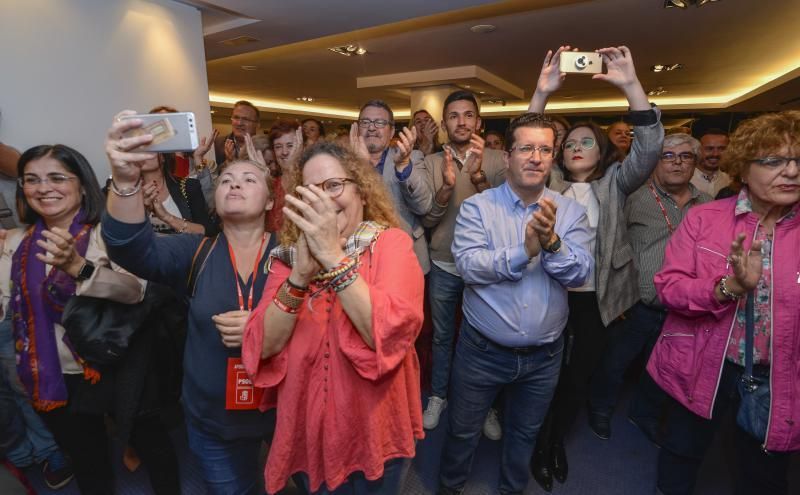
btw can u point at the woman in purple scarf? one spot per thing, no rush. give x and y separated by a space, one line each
60 254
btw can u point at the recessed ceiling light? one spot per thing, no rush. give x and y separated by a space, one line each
249 67
305 98
656 92
681 4
349 50
467 86
482 28
666 67
482 92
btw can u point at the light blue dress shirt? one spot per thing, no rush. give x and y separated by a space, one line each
511 299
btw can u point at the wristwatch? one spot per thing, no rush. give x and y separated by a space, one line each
86 271
554 246
478 177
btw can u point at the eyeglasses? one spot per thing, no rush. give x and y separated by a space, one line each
31 180
586 143
684 156
378 123
235 118
334 186
776 162
526 150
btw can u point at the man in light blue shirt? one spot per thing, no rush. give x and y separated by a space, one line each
517 247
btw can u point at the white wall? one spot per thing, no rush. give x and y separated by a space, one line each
68 66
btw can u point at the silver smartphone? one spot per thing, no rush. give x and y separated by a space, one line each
581 63
171 131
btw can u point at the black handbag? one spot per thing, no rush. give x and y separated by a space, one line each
753 414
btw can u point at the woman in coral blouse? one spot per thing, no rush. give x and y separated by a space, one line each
332 341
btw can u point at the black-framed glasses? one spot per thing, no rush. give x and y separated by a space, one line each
32 180
334 186
776 162
586 143
526 150
683 156
378 123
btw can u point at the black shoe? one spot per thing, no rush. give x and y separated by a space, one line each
540 469
559 458
649 427
600 424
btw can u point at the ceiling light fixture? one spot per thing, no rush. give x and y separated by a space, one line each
666 67
656 92
349 50
305 98
682 4
483 28
249 67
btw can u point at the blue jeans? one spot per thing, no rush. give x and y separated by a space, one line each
389 484
481 369
637 334
230 467
444 294
37 442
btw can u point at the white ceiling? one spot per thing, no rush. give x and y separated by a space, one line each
728 48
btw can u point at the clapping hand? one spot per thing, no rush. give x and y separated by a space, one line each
205 146
747 267
357 143
405 145
448 168
540 229
252 153
59 247
316 217
474 159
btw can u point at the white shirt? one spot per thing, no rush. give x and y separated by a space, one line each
710 185
582 193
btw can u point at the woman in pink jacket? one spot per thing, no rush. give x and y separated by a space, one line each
720 252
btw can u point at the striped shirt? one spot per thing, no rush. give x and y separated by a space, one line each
649 229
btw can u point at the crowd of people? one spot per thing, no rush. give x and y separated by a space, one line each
278 295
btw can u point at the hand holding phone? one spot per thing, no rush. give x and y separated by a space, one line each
581 63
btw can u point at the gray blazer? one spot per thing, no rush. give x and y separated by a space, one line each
616 277
413 198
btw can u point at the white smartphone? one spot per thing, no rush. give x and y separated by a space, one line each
171 131
581 63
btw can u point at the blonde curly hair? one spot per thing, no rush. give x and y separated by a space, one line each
378 205
759 137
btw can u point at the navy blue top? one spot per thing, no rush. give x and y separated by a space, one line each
168 260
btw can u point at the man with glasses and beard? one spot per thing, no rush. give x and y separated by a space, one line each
401 167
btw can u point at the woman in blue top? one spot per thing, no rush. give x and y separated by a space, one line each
225 428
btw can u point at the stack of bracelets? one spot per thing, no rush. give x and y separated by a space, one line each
290 296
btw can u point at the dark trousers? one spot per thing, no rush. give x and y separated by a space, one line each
688 437
637 334
390 483
481 369
152 442
586 342
83 437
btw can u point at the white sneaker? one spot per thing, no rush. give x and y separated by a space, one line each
491 427
430 418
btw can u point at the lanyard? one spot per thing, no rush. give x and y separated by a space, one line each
249 306
661 205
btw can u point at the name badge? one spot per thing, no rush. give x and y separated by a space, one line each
240 394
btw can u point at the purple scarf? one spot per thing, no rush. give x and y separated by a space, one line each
37 302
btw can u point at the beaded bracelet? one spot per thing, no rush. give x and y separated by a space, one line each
723 287
346 264
346 282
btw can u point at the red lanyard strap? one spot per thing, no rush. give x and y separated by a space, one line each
661 205
249 306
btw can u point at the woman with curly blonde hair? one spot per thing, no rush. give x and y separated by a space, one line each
332 341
